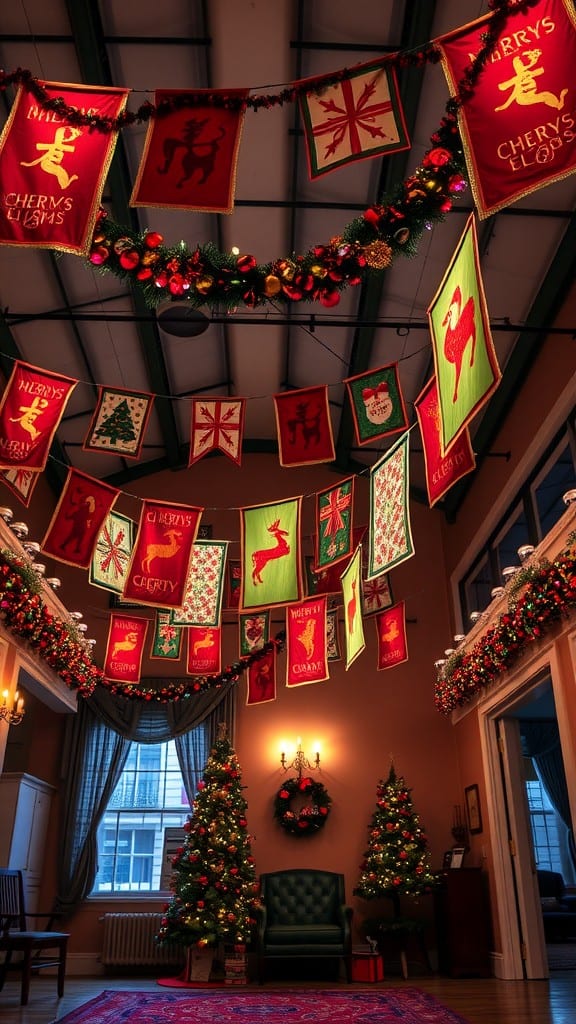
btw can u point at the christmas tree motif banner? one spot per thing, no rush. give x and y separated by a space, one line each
202 604
390 529
261 679
30 410
334 512
304 426
467 371
355 118
21 482
253 631
119 422
442 472
306 655
78 518
52 174
112 553
377 403
271 562
353 628
190 153
167 639
158 568
204 651
217 425
125 647
391 634
518 125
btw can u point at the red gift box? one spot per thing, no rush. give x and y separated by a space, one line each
367 967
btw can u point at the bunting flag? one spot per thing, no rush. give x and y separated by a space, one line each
217 425
306 653
158 569
119 422
167 640
358 117
332 635
125 647
21 482
517 127
204 651
351 586
254 632
391 633
52 174
202 604
327 581
390 530
441 471
304 426
271 562
233 584
261 678
467 371
377 403
30 410
334 512
78 518
190 153
112 553
376 595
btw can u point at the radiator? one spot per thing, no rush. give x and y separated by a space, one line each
129 940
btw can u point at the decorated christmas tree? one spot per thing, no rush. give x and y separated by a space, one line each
214 879
118 426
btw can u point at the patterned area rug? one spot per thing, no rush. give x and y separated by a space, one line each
391 1006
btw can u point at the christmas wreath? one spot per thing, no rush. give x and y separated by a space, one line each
312 815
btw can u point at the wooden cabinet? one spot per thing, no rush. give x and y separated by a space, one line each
463 927
24 812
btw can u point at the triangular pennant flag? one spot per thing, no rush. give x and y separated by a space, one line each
204 651
442 472
119 422
21 482
191 150
167 640
357 117
353 628
125 647
332 635
271 562
390 529
30 411
202 604
306 654
304 426
158 568
377 403
217 425
112 553
261 678
376 595
517 125
467 371
334 515
254 631
78 518
391 633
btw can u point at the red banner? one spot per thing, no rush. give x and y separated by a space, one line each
78 518
125 647
441 471
159 566
304 426
52 174
190 154
217 424
391 633
261 679
233 584
306 657
30 411
204 650
518 125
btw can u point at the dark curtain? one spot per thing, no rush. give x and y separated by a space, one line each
541 742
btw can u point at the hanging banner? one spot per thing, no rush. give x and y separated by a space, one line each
217 425
358 117
233 584
253 631
353 628
304 426
518 125
334 512
306 654
167 640
21 482
125 647
376 595
391 633
52 174
332 636
390 530
442 472
467 371
158 568
204 651
271 561
261 678
112 553
327 581
78 518
377 403
202 604
190 153
30 410
119 422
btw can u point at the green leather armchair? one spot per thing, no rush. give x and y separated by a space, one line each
303 914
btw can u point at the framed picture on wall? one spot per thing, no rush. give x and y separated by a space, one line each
457 856
473 809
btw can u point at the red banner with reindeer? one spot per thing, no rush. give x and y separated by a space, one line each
271 560
306 642
467 371
161 556
78 518
31 409
304 426
190 152
261 678
125 647
391 633
442 472
204 650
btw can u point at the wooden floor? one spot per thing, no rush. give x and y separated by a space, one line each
478 1001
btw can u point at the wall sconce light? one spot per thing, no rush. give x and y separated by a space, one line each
300 762
12 713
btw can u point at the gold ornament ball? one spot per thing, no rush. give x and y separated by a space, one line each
378 255
272 285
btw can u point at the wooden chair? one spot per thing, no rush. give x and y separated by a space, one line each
15 938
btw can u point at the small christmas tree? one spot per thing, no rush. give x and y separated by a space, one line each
214 880
118 426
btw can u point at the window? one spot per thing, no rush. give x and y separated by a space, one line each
545 828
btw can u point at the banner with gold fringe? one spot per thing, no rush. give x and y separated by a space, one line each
390 530
158 568
204 651
306 654
442 472
253 631
353 628
304 426
125 647
112 553
271 561
30 410
261 678
391 633
119 422
78 518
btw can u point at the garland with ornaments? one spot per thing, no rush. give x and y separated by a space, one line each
312 816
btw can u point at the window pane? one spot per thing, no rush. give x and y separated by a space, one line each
549 490
478 588
515 534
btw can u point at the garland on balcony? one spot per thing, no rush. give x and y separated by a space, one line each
549 596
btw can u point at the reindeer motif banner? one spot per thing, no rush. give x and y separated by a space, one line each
271 561
159 566
202 604
304 426
112 553
30 410
467 371
441 472
518 125
78 518
351 593
306 653
391 633
204 651
190 153
52 174
217 425
125 647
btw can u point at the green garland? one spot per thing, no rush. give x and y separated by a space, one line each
312 816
